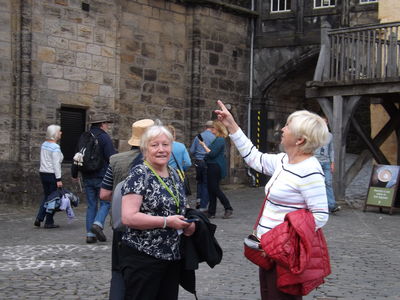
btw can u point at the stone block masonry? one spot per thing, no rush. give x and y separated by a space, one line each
130 59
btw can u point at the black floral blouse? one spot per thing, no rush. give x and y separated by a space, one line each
157 201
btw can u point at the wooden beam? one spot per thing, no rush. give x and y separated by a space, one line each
326 106
393 112
386 131
343 108
375 151
339 145
391 109
322 70
320 64
356 89
351 104
378 140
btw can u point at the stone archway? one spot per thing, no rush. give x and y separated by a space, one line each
284 92
281 93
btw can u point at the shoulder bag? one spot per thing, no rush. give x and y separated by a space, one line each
252 247
183 177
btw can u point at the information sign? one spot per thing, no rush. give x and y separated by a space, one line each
383 186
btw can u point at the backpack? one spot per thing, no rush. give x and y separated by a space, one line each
89 157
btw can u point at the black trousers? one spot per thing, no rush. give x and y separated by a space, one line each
49 183
268 288
117 285
148 278
214 190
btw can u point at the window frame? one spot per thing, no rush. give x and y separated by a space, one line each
281 11
323 5
368 1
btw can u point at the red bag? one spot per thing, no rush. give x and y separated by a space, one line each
255 255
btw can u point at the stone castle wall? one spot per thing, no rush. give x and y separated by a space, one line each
129 59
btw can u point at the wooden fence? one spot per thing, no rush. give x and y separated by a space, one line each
363 52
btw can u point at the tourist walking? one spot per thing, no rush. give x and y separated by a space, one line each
51 158
97 210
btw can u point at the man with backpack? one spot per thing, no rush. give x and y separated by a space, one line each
91 160
118 170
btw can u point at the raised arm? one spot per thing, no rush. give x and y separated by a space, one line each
226 118
261 162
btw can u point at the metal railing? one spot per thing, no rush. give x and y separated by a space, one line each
363 52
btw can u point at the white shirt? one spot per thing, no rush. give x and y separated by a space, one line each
51 158
291 187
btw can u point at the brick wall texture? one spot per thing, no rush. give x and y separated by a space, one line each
129 59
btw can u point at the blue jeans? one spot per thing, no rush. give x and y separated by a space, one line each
326 167
201 178
49 184
94 214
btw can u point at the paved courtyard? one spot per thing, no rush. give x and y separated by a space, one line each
57 264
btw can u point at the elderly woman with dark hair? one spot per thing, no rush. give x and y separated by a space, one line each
297 180
51 158
153 207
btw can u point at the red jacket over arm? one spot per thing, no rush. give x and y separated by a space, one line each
301 253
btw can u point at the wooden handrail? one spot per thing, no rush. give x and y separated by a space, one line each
363 27
361 53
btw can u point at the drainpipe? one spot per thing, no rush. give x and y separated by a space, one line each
251 175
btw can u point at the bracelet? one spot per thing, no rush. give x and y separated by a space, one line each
165 223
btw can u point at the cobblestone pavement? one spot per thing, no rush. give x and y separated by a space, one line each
57 264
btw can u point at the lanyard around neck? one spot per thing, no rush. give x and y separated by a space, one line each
176 198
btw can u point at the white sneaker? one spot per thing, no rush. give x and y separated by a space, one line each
336 209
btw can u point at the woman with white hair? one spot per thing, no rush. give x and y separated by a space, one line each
51 158
297 180
153 207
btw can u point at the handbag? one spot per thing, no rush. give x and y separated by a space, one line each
252 249
183 177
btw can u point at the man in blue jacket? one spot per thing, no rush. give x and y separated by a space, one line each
97 210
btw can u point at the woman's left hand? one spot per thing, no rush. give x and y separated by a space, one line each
188 231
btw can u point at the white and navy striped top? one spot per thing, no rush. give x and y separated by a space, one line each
291 187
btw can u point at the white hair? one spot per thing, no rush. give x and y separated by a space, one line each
52 132
311 127
151 133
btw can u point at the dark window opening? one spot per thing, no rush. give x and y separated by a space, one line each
72 125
